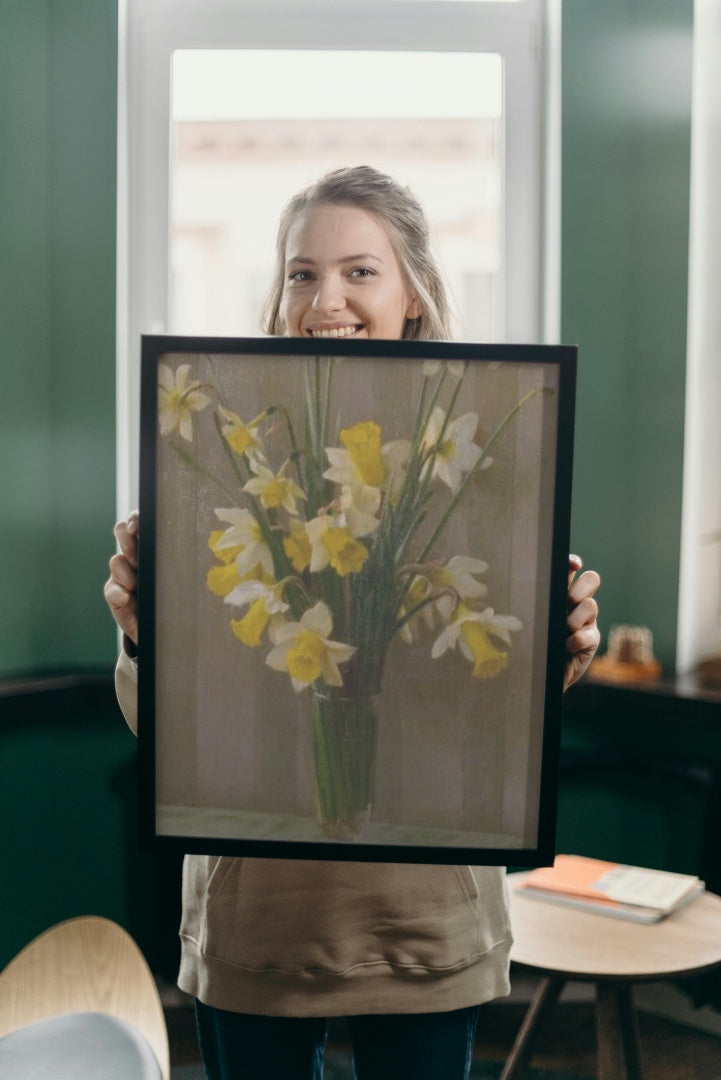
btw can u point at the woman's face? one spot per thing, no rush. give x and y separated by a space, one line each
342 277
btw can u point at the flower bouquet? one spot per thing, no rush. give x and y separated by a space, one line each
329 546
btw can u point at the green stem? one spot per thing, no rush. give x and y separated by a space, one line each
399 623
344 738
326 412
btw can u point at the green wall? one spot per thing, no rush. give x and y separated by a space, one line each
626 145
626 137
58 72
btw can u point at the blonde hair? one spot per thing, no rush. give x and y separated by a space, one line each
403 217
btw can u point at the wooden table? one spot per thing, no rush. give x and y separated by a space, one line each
563 944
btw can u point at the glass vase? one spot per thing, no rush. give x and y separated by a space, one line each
344 750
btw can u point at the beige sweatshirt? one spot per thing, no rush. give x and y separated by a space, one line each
286 937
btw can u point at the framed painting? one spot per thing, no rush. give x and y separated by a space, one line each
352 597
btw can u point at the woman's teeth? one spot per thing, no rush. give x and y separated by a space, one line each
336 332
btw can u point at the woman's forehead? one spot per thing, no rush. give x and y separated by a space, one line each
336 231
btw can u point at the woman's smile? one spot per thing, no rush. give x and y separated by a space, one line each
334 331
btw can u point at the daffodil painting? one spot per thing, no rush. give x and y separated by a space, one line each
353 619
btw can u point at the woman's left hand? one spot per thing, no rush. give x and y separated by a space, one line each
583 636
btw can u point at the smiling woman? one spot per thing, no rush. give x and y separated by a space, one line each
336 293
289 939
353 259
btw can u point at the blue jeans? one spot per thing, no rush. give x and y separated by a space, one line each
414 1046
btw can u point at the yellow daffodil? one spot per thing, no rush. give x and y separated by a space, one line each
363 443
265 603
476 634
225 554
251 627
488 659
345 554
297 546
274 489
305 651
454 452
245 533
240 437
365 463
334 545
178 397
221 579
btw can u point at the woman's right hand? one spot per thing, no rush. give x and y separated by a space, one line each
121 587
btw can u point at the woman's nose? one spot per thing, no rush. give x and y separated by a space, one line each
329 296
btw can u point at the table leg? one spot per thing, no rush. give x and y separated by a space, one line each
545 997
617 1033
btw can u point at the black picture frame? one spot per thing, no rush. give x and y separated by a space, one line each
451 755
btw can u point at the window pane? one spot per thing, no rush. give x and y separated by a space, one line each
252 127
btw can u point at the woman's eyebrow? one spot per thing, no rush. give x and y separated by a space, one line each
361 257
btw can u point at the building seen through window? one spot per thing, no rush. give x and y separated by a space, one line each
231 175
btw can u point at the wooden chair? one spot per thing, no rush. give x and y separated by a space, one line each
90 972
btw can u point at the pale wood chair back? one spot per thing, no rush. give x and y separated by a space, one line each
87 964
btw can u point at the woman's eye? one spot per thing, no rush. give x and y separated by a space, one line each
362 272
300 276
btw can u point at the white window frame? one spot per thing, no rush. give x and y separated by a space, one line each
526 34
699 596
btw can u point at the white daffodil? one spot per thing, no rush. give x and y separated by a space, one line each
304 649
443 587
246 534
396 455
454 452
457 368
476 634
459 574
274 489
247 592
358 509
178 397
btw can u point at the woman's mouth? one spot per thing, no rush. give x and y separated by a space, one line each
335 331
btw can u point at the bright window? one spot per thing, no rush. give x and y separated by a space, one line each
236 160
227 107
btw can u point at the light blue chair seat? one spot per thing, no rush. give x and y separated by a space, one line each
78 1046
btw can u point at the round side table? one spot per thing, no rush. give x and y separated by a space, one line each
563 944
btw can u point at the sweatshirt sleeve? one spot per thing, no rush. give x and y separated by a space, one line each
126 688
